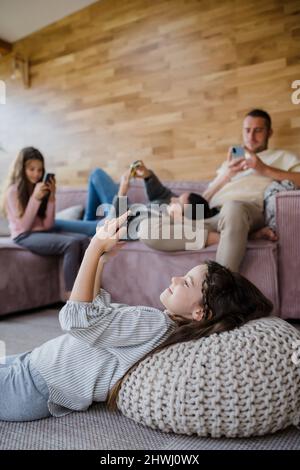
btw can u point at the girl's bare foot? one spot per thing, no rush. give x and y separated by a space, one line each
265 233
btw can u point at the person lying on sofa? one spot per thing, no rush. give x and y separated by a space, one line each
29 204
103 340
165 213
104 196
237 192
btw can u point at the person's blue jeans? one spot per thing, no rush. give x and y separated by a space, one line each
101 190
23 391
86 227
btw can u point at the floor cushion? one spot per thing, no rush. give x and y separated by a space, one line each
236 384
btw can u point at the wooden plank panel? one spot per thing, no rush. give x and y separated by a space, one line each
167 81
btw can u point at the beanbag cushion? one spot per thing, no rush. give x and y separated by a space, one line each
240 383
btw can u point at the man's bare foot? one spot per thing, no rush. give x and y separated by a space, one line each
212 238
265 233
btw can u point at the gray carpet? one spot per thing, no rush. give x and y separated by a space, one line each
97 428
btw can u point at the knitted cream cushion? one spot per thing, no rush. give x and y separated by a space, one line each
239 383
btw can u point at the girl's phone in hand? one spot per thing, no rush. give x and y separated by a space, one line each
47 177
237 151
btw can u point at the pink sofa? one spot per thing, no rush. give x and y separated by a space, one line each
139 274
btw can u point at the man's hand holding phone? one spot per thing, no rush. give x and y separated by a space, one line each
254 162
236 161
237 151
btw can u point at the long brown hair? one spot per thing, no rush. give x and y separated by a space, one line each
229 300
18 176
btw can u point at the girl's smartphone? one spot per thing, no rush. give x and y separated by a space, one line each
237 151
47 177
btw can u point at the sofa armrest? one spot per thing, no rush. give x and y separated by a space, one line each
288 229
288 213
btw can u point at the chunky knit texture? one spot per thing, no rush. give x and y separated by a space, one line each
235 384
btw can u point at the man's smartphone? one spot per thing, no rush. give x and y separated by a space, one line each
47 177
237 151
133 168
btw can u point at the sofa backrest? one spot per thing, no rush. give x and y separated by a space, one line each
70 196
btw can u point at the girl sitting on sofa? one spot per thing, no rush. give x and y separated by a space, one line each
104 340
29 204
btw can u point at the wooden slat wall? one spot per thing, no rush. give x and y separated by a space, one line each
168 81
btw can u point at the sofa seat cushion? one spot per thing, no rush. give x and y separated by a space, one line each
70 213
27 280
237 384
7 243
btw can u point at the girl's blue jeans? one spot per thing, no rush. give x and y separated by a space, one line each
23 391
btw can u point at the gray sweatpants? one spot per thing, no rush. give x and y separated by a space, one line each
234 223
71 245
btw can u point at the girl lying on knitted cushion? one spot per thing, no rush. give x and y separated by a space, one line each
104 340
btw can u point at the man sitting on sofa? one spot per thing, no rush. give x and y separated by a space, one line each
237 192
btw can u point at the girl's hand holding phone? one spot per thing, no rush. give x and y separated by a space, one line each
108 235
51 185
40 191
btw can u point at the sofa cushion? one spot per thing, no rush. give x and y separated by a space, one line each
236 384
70 213
27 280
69 196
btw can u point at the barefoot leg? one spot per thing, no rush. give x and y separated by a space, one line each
264 233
